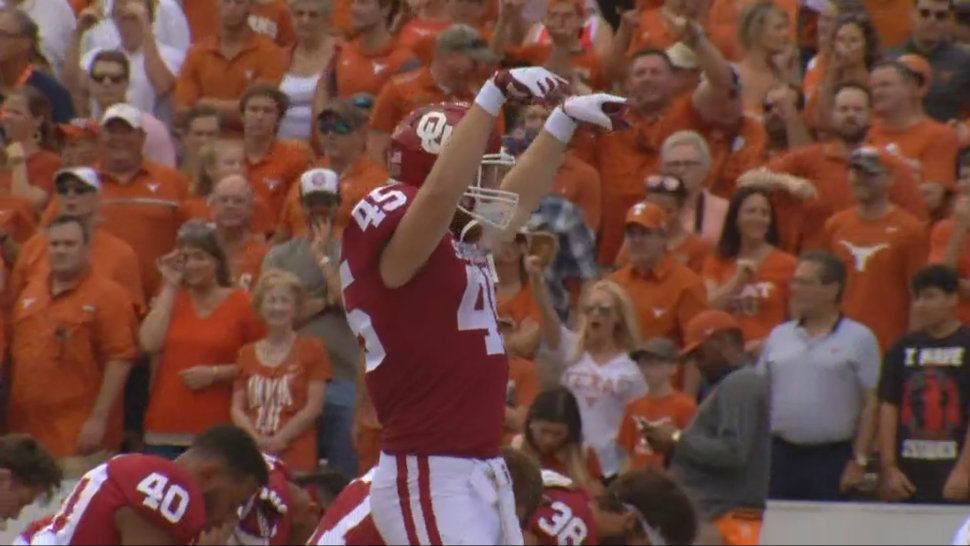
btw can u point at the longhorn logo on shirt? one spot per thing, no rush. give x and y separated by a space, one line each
862 254
433 130
272 183
153 187
28 302
378 68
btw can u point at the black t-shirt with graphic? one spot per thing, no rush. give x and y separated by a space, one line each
928 379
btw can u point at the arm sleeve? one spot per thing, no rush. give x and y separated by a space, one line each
890 386
116 326
868 359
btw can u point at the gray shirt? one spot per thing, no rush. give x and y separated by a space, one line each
723 458
818 385
330 326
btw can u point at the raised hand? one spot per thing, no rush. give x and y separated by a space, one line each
530 85
172 268
602 109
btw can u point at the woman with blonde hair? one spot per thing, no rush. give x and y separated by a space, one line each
593 360
769 56
278 395
309 57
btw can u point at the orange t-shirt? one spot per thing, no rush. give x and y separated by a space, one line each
274 394
881 256
416 31
691 251
60 346
357 181
892 20
519 307
579 182
193 341
929 146
202 16
354 71
725 17
586 65
110 257
407 92
18 217
197 208
523 387
206 73
676 408
666 298
939 239
244 266
276 171
826 166
272 18
762 302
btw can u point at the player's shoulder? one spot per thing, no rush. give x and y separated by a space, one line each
379 211
160 491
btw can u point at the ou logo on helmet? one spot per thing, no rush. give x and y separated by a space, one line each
433 130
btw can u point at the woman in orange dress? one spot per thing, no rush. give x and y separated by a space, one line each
282 377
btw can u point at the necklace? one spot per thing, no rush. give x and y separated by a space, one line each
274 354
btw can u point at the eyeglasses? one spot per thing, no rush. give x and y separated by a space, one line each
926 13
686 164
65 188
602 309
664 183
108 78
336 125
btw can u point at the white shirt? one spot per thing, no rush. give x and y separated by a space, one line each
602 391
297 123
56 22
171 28
140 90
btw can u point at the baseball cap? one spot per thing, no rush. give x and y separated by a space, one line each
319 181
704 325
647 215
919 66
78 129
660 348
125 112
682 56
869 160
344 110
460 38
86 175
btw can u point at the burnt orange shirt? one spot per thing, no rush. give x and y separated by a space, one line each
519 307
939 239
206 73
245 265
417 30
197 208
929 146
691 251
191 341
149 228
725 16
18 217
762 303
354 71
666 298
676 408
586 65
276 171
523 387
110 257
827 166
203 18
358 180
340 21
406 93
272 18
274 394
892 19
881 256
579 182
60 346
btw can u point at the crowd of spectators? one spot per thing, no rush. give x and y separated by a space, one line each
762 285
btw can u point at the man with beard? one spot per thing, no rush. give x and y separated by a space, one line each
783 119
826 166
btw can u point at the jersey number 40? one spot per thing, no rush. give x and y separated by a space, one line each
169 500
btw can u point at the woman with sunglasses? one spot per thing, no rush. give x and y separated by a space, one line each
592 361
748 276
670 194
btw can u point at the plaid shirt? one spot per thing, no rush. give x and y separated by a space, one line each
577 247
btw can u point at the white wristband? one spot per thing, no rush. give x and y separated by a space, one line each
560 126
490 98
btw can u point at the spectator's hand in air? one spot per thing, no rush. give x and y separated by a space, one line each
530 85
321 234
511 11
534 266
957 487
602 109
198 377
895 485
138 11
91 435
852 477
682 29
660 436
172 268
87 18
630 21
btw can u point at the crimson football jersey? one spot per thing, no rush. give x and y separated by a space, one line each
436 365
266 519
157 489
564 517
348 520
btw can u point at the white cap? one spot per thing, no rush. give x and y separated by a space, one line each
682 56
87 175
125 112
319 181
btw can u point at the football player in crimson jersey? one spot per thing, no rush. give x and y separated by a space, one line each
439 394
281 512
142 499
348 520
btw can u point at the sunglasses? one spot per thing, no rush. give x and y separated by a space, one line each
65 188
925 13
108 78
664 183
602 309
362 100
335 125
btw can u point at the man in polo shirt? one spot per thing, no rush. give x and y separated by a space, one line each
452 75
822 370
314 259
949 92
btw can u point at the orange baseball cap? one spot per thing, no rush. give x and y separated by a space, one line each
704 325
918 65
78 129
647 215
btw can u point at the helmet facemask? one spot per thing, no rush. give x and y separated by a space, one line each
484 201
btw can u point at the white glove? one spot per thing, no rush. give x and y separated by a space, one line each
529 85
602 109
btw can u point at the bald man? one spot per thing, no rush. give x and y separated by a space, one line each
231 202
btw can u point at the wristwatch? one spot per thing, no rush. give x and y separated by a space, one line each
675 436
